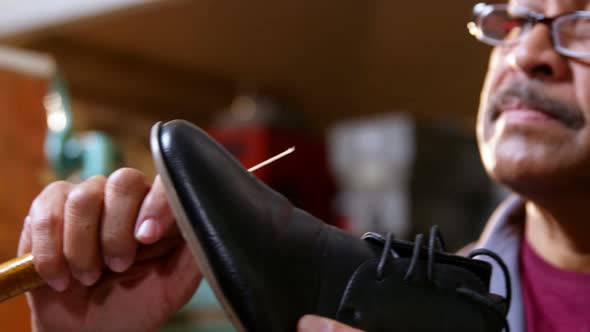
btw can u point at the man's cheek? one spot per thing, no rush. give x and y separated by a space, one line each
497 67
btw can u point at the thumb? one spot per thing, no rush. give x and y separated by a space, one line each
311 323
155 219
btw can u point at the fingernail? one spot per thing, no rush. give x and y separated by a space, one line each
118 264
148 231
59 284
88 278
313 324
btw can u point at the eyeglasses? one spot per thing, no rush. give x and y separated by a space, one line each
503 24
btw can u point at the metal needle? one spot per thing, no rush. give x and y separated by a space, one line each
270 160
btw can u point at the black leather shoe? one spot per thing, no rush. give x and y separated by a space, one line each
270 263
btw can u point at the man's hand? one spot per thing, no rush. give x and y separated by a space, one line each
310 323
111 254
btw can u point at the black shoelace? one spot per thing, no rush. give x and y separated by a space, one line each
507 284
436 243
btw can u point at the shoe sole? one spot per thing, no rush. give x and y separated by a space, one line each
186 228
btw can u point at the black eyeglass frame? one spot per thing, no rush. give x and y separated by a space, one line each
481 10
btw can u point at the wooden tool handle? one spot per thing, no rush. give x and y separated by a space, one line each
18 276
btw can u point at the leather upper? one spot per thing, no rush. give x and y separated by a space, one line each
275 263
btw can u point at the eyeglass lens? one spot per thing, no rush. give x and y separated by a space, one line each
573 33
499 25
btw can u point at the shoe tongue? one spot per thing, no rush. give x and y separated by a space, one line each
375 304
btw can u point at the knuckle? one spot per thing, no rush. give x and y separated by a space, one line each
36 205
57 186
126 181
27 223
82 198
51 191
97 178
45 222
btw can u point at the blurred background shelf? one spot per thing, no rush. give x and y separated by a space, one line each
334 58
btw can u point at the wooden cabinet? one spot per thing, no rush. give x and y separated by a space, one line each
22 132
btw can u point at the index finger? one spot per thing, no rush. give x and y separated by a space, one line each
155 219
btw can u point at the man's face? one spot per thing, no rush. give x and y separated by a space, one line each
533 124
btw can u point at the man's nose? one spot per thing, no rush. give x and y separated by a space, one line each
535 55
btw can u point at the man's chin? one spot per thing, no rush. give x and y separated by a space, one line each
519 162
535 178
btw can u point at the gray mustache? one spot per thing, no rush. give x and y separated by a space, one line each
530 93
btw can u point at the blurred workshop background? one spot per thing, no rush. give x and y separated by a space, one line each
379 97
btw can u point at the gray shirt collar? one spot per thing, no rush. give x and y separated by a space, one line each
503 235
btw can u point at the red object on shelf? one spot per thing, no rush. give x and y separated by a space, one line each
302 176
